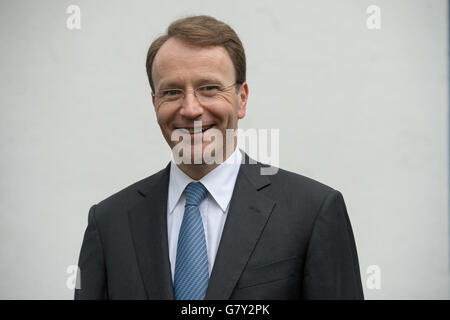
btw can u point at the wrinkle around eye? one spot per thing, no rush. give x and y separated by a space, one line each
224 96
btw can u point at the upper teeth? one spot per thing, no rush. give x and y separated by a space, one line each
195 130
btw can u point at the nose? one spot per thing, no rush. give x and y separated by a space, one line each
191 108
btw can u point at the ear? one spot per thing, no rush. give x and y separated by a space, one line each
242 96
153 100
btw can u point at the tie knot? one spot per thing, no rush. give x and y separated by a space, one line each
195 193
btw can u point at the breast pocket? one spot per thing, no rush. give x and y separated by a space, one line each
273 271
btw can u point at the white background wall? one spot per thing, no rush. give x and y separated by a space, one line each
364 111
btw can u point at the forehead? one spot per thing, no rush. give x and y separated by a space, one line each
178 62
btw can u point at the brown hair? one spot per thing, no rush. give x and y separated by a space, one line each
202 31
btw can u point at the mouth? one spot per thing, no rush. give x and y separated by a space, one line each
196 130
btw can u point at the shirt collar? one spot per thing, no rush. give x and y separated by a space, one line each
219 182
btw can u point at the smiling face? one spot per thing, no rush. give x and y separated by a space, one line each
178 65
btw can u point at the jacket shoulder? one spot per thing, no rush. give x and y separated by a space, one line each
300 182
283 180
295 191
123 200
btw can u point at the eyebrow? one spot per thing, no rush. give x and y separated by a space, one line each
173 84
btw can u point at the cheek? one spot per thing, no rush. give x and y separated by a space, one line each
164 116
226 108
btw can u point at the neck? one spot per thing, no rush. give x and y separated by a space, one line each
198 171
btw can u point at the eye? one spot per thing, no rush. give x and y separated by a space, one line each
212 87
209 89
171 92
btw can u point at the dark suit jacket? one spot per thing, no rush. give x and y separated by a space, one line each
286 237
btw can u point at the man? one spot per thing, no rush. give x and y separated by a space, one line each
202 229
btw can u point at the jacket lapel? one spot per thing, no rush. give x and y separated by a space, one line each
148 224
248 213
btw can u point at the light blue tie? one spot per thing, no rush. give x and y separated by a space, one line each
191 267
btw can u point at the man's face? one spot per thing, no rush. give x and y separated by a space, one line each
178 65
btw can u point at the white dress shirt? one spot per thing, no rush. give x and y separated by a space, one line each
214 208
